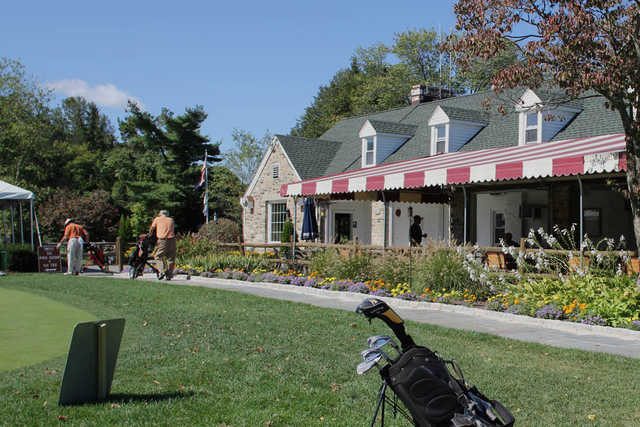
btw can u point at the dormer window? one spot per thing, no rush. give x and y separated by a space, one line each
440 139
452 127
380 139
532 128
275 171
369 145
541 119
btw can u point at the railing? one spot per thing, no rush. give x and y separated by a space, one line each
297 254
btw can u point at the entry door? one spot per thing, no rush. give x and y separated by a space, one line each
342 227
498 226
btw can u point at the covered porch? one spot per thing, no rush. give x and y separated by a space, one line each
478 196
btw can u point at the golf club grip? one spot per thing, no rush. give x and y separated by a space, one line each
397 326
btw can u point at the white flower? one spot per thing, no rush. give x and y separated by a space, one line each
531 234
541 231
622 238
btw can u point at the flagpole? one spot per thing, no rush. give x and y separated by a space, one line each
206 189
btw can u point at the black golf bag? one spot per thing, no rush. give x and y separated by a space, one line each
139 258
424 382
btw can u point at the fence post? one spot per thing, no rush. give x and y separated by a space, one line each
119 254
523 249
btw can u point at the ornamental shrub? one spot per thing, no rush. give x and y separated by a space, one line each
444 269
22 258
222 230
613 300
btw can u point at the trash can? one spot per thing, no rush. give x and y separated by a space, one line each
4 260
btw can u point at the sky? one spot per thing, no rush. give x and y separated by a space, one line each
252 65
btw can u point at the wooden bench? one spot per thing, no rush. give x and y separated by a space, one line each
496 260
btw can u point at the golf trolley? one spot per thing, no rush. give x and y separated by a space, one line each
139 258
433 391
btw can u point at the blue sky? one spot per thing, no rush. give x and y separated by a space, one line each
252 65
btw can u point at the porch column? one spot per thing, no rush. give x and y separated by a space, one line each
295 226
464 217
386 219
580 210
31 219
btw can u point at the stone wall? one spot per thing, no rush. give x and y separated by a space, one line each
377 223
267 189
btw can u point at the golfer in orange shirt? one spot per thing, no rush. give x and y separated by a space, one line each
163 228
77 235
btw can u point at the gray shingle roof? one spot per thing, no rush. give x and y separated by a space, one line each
339 148
466 115
310 157
394 128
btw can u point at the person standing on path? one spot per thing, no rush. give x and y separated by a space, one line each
415 232
163 228
77 235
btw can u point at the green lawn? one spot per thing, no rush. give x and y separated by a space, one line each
207 357
34 328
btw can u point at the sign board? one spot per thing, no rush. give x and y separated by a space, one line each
49 259
91 361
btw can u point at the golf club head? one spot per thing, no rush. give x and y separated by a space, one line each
365 366
379 341
371 353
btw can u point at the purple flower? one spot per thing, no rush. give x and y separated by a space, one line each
299 281
359 287
380 293
549 312
593 320
409 296
311 283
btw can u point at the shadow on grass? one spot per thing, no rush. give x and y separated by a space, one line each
152 397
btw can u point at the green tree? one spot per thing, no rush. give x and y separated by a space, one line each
225 190
94 210
332 103
580 46
25 125
420 51
156 165
244 159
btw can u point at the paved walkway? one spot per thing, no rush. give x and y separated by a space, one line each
551 332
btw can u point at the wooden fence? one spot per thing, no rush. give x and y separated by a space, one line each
297 254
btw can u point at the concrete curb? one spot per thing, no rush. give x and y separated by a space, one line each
399 305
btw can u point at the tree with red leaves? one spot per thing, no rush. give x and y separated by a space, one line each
578 45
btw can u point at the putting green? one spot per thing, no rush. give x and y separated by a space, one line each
34 328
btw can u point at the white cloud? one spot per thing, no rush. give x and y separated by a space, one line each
105 95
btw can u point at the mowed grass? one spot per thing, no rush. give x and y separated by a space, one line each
34 328
193 356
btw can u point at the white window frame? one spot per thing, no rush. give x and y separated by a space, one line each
525 127
275 171
435 139
365 151
270 218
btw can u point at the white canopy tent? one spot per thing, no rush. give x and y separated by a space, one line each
10 196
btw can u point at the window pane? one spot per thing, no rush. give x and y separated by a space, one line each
369 144
369 158
531 135
532 119
440 131
440 145
278 217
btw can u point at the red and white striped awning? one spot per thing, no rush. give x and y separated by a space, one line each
571 157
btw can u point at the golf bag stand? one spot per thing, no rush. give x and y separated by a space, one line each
421 379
